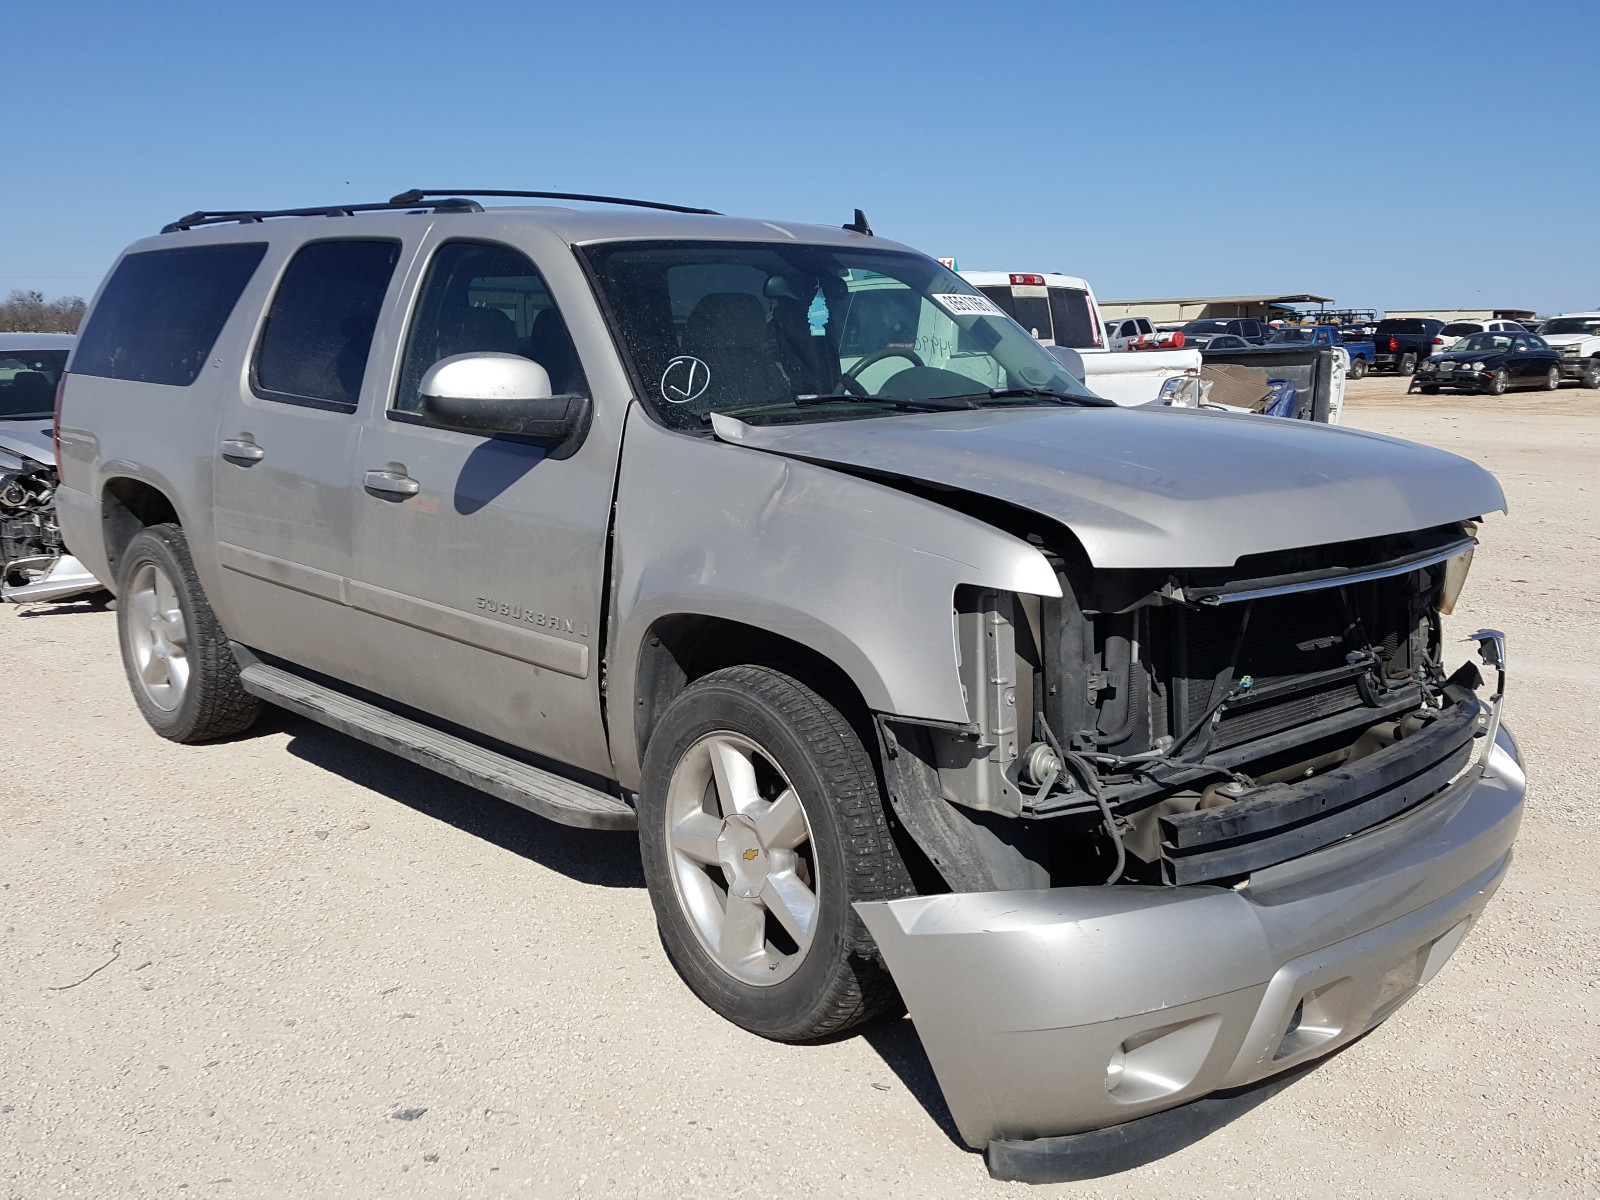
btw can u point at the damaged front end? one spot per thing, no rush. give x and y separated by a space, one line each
34 563
1302 806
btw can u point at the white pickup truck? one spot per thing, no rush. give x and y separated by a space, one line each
1577 337
1060 310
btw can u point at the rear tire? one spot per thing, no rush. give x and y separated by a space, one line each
1358 368
1408 364
760 826
184 677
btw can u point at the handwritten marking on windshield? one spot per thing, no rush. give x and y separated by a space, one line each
686 378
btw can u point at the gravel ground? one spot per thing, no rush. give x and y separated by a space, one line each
289 965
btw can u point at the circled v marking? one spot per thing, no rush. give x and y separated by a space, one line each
686 378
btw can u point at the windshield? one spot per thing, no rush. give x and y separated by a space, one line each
1484 342
775 332
28 382
1570 325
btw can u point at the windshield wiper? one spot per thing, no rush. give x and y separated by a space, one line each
921 404
1041 393
935 404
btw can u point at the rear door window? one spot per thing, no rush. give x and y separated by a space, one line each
161 311
313 350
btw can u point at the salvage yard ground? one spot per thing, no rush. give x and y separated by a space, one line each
290 965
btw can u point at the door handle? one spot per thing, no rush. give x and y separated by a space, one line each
242 450
393 482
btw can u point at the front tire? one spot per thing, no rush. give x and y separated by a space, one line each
183 674
1497 382
760 826
1429 389
1552 381
1591 375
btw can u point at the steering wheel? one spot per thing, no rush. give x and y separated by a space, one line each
849 379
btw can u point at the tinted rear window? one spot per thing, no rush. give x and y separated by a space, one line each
1002 299
1033 314
1407 325
1074 319
1461 328
314 348
161 312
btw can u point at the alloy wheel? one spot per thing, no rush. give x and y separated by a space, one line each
158 638
742 861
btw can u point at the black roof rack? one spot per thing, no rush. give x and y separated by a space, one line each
251 216
448 201
416 194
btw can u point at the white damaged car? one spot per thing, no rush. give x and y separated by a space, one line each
34 564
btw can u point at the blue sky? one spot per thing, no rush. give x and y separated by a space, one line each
1392 155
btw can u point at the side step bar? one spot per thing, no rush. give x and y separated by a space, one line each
543 792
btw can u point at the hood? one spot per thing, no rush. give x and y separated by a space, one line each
1467 356
1557 340
33 437
1158 487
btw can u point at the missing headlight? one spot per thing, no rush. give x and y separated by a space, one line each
1455 573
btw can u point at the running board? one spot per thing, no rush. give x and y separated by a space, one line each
543 792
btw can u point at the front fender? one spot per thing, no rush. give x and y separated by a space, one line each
857 571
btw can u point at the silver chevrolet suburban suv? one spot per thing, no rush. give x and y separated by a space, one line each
1122 744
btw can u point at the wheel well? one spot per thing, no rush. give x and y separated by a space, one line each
127 506
680 649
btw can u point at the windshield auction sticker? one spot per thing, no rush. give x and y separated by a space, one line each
959 304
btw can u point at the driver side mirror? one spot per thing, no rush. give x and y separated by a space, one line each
489 393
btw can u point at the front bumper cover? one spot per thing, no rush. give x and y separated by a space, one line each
1460 381
1053 1012
47 578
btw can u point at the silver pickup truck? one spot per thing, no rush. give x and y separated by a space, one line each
1120 744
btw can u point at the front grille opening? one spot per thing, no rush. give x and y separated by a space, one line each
1255 669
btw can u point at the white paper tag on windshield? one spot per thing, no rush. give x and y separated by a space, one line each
959 304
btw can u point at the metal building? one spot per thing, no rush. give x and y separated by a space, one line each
1189 308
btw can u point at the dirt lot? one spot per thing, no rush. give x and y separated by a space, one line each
288 965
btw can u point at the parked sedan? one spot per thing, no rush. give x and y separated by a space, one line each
1492 363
